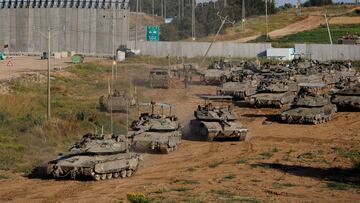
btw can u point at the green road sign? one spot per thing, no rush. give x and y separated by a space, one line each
152 33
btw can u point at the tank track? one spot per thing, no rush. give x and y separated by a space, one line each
115 175
317 119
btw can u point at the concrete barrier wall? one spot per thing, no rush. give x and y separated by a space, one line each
87 30
325 52
320 52
194 49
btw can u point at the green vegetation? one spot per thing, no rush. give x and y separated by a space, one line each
223 193
215 163
230 176
138 198
241 161
269 153
283 185
338 186
187 182
28 139
353 155
182 189
3 177
318 36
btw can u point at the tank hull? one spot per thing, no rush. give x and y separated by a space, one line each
116 104
98 167
239 91
163 142
216 130
274 100
314 115
347 102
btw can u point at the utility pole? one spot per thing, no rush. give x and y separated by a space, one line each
136 24
193 20
48 37
165 10
48 77
243 15
328 28
223 21
266 19
179 9
153 11
298 8
162 8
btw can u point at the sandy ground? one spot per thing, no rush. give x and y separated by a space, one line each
281 163
311 22
345 20
25 64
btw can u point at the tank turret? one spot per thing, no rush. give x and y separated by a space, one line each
155 131
214 123
98 156
311 105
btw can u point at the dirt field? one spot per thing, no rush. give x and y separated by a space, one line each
281 163
25 64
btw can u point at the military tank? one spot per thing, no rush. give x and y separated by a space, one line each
239 90
217 123
97 156
156 132
274 92
119 101
348 98
312 105
160 78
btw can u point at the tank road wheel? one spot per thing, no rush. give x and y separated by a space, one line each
103 176
123 173
301 120
242 136
116 175
97 177
165 149
129 173
252 102
109 176
278 105
289 119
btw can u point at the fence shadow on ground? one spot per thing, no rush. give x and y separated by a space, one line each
342 175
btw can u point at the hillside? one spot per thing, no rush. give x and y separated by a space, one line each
286 22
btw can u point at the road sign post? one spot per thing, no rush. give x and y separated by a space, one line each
152 33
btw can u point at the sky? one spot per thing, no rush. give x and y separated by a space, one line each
281 2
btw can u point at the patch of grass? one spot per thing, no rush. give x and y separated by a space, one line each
2 177
270 153
181 189
266 154
230 176
215 163
138 198
241 161
314 36
223 193
283 185
337 186
187 182
249 200
256 180
307 155
27 138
